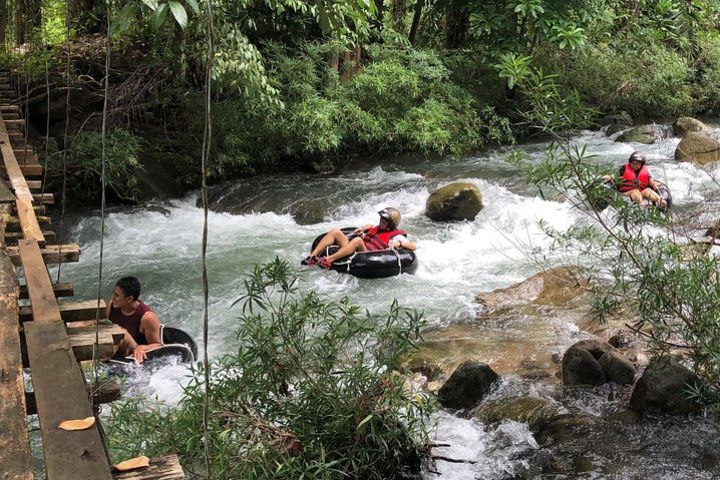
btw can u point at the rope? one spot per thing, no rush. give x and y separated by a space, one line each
95 388
102 197
66 134
47 124
397 255
207 138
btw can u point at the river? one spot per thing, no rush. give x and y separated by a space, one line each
160 244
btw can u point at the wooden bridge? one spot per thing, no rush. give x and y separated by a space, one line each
43 337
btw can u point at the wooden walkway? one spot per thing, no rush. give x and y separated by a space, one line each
48 337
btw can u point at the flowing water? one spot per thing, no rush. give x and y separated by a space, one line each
280 216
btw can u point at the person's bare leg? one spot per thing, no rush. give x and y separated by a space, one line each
333 237
354 245
634 195
651 195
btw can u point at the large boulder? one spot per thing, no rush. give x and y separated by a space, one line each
556 287
646 134
456 201
534 411
616 122
617 368
468 384
663 388
579 367
684 125
698 147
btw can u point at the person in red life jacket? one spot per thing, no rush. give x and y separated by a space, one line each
142 327
634 181
383 236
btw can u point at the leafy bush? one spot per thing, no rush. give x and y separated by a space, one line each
311 392
651 83
708 81
122 170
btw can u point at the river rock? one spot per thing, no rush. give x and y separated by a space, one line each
617 368
468 384
456 201
646 134
597 347
556 286
663 388
683 125
534 411
616 122
579 367
698 147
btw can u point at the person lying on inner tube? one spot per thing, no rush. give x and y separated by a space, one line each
383 236
141 325
634 181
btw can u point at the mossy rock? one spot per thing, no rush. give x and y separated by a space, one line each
454 202
698 147
684 125
663 388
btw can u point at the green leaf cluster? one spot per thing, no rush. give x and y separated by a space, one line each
312 391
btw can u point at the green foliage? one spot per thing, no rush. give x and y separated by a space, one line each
311 392
122 170
647 272
650 83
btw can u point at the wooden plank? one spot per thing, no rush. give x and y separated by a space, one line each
42 299
28 221
34 184
44 198
13 223
161 468
69 252
107 392
59 289
71 312
11 238
15 457
60 395
14 173
82 327
83 343
32 171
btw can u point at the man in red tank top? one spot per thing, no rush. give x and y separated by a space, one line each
142 327
385 235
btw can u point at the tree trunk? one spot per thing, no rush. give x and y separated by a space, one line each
457 25
3 24
28 19
380 5
416 21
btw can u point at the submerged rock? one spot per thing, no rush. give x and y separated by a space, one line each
663 388
683 125
579 367
698 147
556 286
456 201
646 134
534 411
467 385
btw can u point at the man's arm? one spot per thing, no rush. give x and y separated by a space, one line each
404 243
150 327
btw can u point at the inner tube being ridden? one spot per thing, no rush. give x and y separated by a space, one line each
611 192
373 263
175 344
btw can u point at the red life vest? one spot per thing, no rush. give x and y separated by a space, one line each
374 239
131 322
632 181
